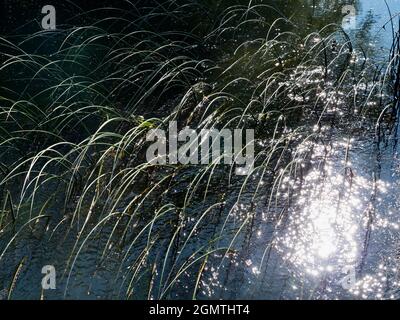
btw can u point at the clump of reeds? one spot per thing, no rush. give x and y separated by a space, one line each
73 123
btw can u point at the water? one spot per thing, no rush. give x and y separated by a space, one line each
340 239
332 233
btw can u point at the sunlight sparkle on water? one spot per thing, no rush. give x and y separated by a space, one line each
323 232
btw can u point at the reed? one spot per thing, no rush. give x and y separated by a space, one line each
73 122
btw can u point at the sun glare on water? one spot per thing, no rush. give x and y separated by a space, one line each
324 228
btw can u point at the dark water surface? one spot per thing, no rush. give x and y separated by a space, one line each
337 238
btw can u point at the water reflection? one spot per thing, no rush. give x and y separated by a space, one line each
342 218
341 227
324 227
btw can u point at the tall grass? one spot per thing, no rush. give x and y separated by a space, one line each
76 105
